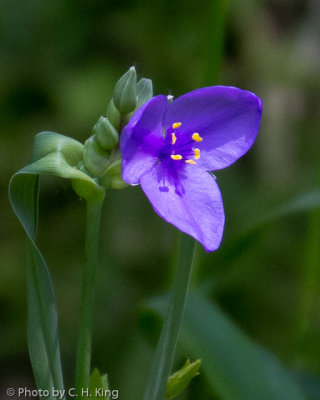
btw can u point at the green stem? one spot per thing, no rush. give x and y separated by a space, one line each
87 296
164 354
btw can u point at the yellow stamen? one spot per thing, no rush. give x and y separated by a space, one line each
196 154
190 162
176 157
173 138
176 125
196 137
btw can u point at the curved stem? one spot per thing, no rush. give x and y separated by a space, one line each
165 351
87 296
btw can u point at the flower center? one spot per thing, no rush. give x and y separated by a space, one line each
180 150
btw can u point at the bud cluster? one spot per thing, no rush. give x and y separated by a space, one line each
101 155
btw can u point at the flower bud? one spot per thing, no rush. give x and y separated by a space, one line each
106 134
112 177
125 92
144 91
180 379
113 114
96 158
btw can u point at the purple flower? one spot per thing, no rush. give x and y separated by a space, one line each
168 148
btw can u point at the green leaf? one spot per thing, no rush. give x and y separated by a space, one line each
310 383
58 155
55 154
236 367
42 316
303 202
178 381
99 388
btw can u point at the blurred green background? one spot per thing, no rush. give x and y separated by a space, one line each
59 61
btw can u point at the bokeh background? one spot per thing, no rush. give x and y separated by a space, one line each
59 61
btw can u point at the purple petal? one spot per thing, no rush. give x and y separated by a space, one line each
190 200
227 119
142 140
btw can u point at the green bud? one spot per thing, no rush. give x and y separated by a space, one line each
106 135
96 159
180 379
144 91
112 177
113 114
125 92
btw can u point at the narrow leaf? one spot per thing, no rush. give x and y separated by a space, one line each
42 316
99 388
58 155
246 236
178 381
303 202
236 368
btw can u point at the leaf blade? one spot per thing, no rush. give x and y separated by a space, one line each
58 155
42 332
235 367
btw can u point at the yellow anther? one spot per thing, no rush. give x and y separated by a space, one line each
173 138
176 157
190 162
196 137
176 125
196 154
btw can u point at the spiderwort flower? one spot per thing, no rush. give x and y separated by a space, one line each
169 148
